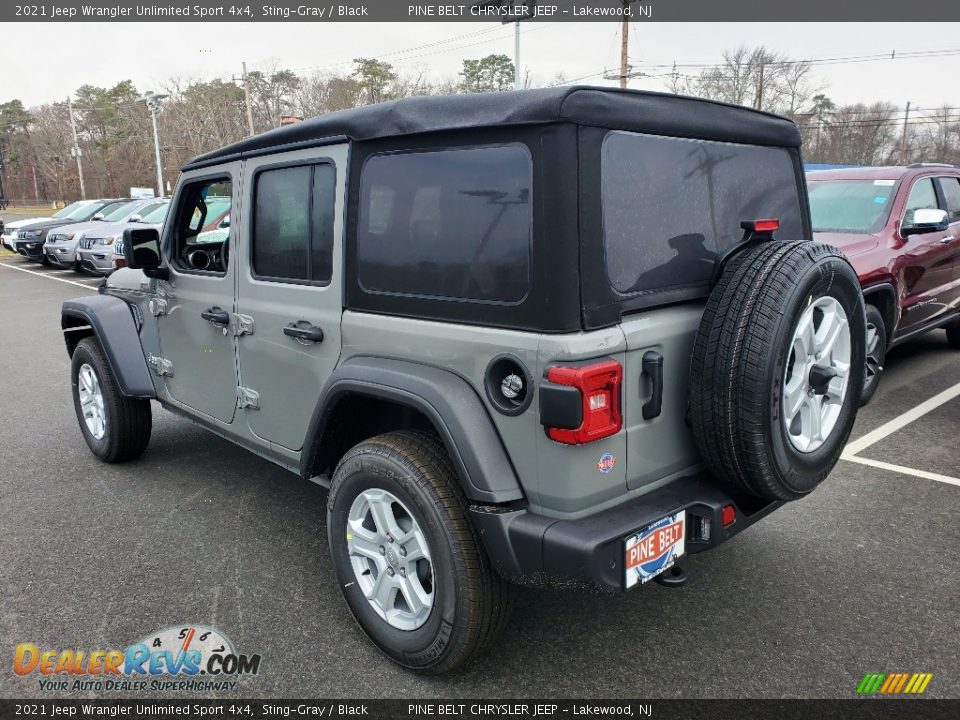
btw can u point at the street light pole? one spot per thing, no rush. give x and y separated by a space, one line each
153 104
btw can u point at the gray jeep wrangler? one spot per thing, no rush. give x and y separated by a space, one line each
526 337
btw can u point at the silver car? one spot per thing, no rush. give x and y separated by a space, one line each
96 249
61 245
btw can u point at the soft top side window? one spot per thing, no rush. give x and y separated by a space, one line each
447 224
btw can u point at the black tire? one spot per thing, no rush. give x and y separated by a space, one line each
953 333
471 602
128 421
876 353
740 360
45 261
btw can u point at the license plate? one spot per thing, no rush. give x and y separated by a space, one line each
655 548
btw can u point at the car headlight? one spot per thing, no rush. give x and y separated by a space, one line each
68 238
37 233
108 241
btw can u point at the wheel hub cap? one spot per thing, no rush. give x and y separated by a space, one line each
817 373
91 401
390 559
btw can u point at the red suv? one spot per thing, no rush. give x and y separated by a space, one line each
900 229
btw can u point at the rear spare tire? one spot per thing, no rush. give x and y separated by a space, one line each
777 368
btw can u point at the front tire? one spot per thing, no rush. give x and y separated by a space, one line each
116 428
410 567
876 352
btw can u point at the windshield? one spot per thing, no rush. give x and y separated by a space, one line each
119 211
70 209
87 212
157 215
852 206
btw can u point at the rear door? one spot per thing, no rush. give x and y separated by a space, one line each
289 290
928 261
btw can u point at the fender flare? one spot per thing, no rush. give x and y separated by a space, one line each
110 319
889 290
447 400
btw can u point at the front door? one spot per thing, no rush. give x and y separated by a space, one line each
195 305
289 290
928 262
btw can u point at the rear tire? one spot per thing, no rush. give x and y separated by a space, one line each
409 473
116 428
953 333
772 397
876 351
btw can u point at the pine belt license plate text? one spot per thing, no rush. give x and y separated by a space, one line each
655 548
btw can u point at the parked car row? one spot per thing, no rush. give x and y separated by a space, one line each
900 229
83 236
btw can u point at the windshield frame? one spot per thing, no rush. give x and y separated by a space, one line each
882 219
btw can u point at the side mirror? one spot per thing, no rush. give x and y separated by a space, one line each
141 250
135 219
225 223
98 216
925 220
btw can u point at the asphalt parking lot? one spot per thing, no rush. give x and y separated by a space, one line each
863 576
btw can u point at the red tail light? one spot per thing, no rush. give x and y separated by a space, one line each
766 225
728 516
599 386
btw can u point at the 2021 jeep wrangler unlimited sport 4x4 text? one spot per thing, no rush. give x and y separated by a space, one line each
522 337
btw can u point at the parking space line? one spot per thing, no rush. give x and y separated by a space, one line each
903 470
888 428
48 276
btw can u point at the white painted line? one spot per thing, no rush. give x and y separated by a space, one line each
888 428
46 275
903 470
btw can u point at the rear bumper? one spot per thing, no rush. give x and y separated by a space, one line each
533 549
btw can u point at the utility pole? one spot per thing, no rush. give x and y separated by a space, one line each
759 101
2 170
76 151
153 104
517 82
624 41
246 97
903 140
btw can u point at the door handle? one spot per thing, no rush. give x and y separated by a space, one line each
216 315
652 366
948 239
304 335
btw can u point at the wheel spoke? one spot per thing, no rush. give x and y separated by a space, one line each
365 545
417 598
382 510
415 547
794 397
836 328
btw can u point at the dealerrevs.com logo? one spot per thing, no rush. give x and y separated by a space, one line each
191 658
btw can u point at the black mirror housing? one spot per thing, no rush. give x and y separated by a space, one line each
141 248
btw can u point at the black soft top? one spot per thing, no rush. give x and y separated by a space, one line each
634 110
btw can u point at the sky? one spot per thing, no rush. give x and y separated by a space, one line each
63 56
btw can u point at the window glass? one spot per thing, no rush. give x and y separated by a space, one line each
88 211
120 212
293 223
448 224
70 209
670 206
951 193
157 215
201 226
853 206
321 242
922 197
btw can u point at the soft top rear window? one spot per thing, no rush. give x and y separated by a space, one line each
671 206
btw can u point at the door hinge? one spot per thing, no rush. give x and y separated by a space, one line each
242 324
158 306
161 366
247 398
